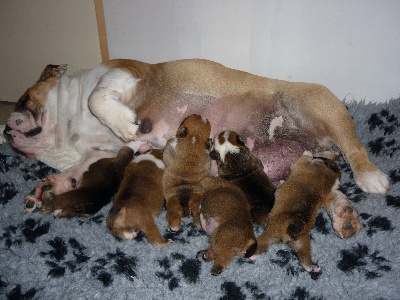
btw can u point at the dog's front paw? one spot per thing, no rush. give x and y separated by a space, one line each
124 124
375 182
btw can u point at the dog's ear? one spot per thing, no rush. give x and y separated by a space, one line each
239 141
208 144
53 71
214 155
182 132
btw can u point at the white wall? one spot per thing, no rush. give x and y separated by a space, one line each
352 47
36 33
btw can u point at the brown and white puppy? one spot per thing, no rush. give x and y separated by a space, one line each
98 186
312 184
139 198
225 217
237 165
187 161
93 113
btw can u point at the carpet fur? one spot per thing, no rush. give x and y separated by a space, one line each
46 258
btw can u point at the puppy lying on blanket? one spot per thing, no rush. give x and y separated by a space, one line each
225 216
237 165
312 184
139 198
98 186
95 112
187 161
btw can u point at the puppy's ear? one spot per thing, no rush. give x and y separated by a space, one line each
239 141
208 144
214 155
182 132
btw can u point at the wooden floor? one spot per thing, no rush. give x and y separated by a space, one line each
6 108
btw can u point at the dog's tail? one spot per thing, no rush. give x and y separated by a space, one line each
295 228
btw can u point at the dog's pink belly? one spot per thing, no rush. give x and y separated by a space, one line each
246 116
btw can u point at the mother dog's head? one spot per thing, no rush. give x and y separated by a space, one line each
25 129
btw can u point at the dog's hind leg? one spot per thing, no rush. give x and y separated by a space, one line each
174 213
315 109
150 228
302 247
194 204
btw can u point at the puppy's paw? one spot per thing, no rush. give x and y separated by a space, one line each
216 270
312 268
162 243
344 217
202 255
39 198
307 153
375 182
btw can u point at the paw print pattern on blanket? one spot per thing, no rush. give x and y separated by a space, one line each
175 265
375 224
323 224
17 293
117 263
27 231
58 254
7 192
359 257
384 121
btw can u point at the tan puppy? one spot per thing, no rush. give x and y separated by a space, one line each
311 185
237 165
98 186
138 199
187 161
225 216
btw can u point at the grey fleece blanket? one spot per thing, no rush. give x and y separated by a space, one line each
46 258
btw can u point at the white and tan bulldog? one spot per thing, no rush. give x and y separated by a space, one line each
97 111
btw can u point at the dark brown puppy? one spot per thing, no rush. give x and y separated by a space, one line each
187 161
98 186
139 198
237 165
225 216
311 185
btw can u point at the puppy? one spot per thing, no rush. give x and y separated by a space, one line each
237 165
139 199
225 216
99 183
312 184
187 161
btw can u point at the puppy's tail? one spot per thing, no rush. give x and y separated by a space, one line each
295 228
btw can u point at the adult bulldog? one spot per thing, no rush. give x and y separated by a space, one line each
96 112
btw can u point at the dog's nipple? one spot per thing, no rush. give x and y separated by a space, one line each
145 126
